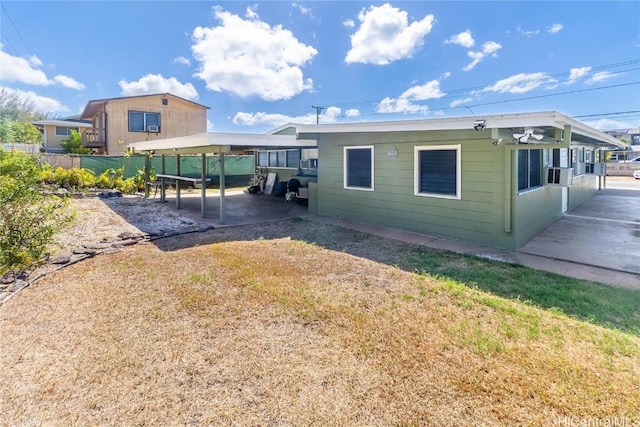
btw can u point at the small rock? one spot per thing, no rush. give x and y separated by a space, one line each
60 259
97 246
85 251
129 235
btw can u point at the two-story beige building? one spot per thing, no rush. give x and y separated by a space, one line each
121 121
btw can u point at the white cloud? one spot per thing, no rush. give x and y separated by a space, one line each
68 82
348 23
27 71
576 74
521 83
352 112
210 127
610 124
182 60
40 103
527 33
601 77
250 57
303 9
330 115
464 39
400 105
405 102
555 28
156 83
458 102
488 48
385 35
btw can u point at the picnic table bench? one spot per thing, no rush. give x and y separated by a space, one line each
161 183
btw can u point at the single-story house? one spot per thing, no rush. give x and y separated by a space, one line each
496 180
54 131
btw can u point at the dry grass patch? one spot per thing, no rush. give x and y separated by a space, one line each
280 332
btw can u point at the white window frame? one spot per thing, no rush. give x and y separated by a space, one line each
345 169
416 170
67 130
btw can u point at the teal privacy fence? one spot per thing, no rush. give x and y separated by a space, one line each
237 169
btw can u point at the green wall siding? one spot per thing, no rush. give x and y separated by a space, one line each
584 187
478 216
534 211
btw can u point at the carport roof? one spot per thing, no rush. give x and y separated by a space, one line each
218 142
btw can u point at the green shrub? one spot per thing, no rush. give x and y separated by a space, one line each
28 219
73 145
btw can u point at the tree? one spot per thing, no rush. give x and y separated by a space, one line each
73 145
26 133
28 219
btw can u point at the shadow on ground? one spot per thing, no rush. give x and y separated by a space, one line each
601 304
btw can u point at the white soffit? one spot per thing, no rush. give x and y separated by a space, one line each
216 142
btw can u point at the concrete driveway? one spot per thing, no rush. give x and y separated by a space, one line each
603 232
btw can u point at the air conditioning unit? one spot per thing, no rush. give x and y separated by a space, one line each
153 128
309 164
559 177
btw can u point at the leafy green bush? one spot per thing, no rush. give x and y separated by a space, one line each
73 145
28 219
114 178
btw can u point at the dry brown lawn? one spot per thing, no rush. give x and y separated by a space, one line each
226 329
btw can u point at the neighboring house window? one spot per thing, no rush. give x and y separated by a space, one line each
64 131
437 171
529 169
358 168
140 121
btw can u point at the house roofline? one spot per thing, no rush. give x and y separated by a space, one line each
498 121
95 102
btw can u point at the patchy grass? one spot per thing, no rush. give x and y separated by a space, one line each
601 304
275 331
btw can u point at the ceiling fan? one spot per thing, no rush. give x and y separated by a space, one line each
528 133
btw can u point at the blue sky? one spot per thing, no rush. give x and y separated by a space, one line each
259 65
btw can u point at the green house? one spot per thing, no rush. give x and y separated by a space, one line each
496 180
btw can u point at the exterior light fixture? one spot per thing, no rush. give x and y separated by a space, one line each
478 125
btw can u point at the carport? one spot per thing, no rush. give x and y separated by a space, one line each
212 144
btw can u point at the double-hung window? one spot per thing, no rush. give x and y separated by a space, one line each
529 169
358 168
140 121
437 171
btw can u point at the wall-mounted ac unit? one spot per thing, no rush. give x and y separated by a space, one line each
560 177
153 128
309 164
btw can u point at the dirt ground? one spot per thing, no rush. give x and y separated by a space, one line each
289 323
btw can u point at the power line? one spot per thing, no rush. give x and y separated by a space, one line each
608 114
16 28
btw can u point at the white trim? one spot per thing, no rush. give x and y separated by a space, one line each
502 121
344 167
416 170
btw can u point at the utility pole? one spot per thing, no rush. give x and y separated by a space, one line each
318 110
